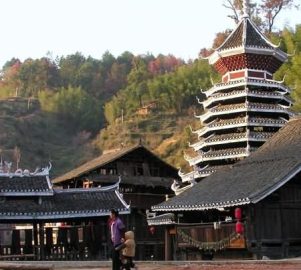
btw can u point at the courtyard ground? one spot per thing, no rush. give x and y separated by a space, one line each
293 264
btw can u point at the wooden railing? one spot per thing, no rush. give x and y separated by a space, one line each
83 242
209 236
59 243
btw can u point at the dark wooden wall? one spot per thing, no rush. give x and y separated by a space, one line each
273 224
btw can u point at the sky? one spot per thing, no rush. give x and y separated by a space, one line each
36 28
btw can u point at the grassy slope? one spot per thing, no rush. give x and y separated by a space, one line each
165 134
39 136
42 137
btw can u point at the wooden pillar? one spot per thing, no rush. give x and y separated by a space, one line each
28 249
41 234
16 242
35 240
169 245
258 230
284 236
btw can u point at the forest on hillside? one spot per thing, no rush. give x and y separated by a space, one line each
95 102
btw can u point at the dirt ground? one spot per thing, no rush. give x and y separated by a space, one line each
293 264
212 265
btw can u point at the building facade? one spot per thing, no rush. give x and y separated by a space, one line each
145 181
247 210
40 222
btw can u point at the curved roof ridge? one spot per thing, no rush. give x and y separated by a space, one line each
230 36
240 36
255 27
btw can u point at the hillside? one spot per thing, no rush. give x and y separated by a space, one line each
165 134
69 111
38 137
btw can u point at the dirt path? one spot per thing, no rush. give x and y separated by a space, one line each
213 265
195 265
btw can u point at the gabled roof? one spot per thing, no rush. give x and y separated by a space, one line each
103 160
64 204
248 181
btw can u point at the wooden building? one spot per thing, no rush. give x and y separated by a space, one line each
145 181
249 209
54 224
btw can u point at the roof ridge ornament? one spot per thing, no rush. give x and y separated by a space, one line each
6 167
246 8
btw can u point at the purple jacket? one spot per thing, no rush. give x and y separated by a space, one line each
117 230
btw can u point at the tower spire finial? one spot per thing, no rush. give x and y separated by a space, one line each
246 6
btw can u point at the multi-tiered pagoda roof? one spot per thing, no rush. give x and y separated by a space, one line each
246 108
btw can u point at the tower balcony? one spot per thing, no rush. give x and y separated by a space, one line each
243 108
231 138
247 82
199 173
218 97
219 155
239 122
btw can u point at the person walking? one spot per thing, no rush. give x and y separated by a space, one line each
117 230
128 251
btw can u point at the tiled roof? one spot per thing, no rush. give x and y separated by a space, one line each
247 181
235 39
242 45
105 159
165 219
246 34
64 204
25 186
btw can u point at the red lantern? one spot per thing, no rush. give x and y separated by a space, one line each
237 213
152 229
239 227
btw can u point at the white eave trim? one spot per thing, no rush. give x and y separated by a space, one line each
210 114
278 54
245 82
245 93
205 206
25 193
206 129
120 197
57 215
196 160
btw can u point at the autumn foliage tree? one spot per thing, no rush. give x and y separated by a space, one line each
271 8
163 64
263 12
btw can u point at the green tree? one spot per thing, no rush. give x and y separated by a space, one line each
73 105
69 67
37 75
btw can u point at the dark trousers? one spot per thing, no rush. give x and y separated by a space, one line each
116 263
127 263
